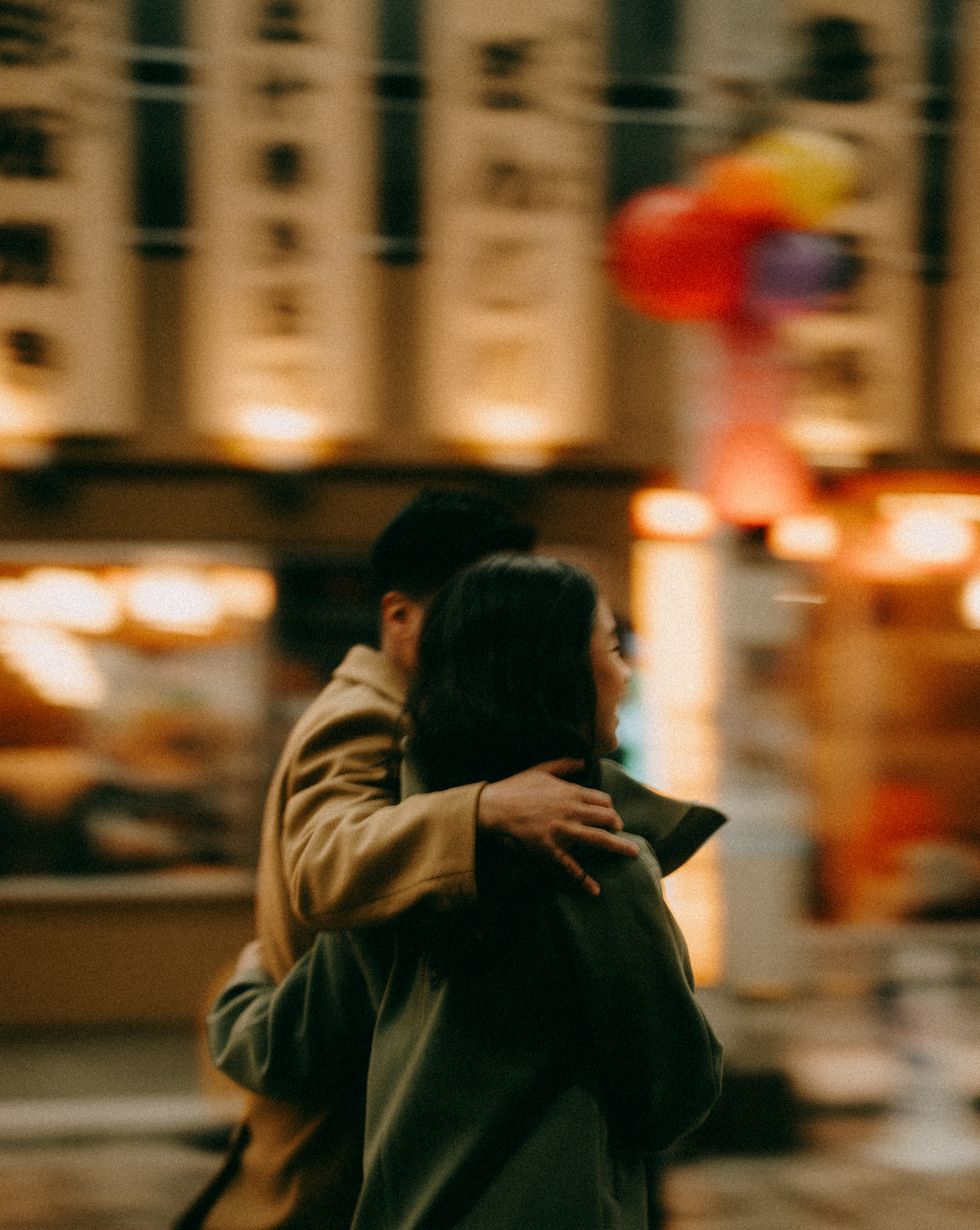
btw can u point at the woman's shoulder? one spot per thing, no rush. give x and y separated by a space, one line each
675 828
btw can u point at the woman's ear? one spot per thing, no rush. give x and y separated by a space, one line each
401 624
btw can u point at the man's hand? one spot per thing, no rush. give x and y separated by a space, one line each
548 815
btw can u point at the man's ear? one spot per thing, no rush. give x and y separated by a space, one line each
397 610
401 623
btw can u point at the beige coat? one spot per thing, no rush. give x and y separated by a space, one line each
337 850
321 866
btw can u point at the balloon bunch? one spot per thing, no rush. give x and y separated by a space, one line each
741 241
741 248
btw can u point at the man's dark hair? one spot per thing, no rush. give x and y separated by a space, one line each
504 678
439 533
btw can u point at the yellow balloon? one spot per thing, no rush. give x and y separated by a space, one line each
817 171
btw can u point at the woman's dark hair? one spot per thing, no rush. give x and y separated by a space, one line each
504 678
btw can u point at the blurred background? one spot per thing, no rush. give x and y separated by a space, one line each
695 285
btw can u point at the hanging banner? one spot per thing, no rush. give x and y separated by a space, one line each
282 298
514 199
66 308
828 105
961 295
859 363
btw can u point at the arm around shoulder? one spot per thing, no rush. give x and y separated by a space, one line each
352 854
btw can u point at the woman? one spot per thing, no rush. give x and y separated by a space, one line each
523 1056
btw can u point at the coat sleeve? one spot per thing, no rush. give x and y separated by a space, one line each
351 853
659 1060
290 1040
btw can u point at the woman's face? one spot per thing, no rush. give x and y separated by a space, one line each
611 676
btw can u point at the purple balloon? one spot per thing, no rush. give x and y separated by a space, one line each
792 271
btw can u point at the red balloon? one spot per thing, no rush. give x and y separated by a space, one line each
674 256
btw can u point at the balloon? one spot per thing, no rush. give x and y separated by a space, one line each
791 271
672 256
749 188
816 171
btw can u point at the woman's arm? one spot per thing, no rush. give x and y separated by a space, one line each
289 1041
658 1058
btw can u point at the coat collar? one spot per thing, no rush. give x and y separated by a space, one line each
371 668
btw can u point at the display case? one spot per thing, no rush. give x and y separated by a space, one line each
134 693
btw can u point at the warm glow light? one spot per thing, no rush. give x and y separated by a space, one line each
19 418
245 593
173 600
55 664
807 536
957 504
970 602
279 425
71 599
932 538
872 555
509 423
675 613
17 603
660 512
829 439
694 894
511 434
25 432
280 436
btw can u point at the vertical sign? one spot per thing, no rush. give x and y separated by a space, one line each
283 212
66 316
850 71
858 365
961 296
514 195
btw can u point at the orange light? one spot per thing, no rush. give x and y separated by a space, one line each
872 556
755 476
695 895
245 593
805 537
662 512
970 602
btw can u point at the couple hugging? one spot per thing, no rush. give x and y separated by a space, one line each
469 1005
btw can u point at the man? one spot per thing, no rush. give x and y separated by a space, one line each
338 851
